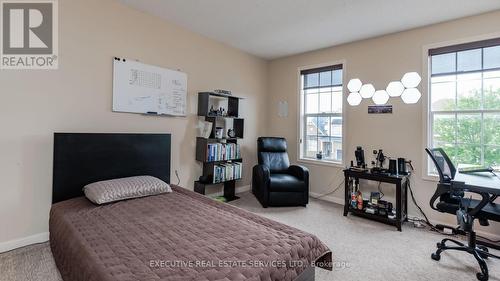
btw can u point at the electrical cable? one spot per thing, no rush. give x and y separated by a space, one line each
333 191
330 192
380 190
433 227
418 206
425 220
178 179
488 239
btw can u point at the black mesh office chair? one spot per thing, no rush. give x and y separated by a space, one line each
453 201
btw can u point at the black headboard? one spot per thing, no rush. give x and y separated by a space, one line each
81 158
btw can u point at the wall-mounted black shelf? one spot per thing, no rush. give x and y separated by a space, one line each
223 161
222 116
224 139
229 188
214 94
202 148
206 101
238 125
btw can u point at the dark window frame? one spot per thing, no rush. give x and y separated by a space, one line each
305 115
456 112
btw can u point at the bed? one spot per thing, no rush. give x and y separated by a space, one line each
174 236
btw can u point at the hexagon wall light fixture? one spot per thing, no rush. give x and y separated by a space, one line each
354 85
354 99
406 89
411 80
411 96
367 91
395 89
380 97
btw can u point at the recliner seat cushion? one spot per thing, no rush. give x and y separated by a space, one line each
282 199
285 183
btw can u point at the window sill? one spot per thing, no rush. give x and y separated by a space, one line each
321 162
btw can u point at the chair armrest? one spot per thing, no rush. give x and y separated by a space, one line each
442 188
261 175
300 172
461 186
261 179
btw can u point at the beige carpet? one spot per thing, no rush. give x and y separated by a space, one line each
363 250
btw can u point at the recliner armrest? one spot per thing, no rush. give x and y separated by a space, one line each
300 172
261 178
262 174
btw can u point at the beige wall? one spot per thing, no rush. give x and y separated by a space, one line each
378 61
77 98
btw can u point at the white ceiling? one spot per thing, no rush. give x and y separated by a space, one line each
277 28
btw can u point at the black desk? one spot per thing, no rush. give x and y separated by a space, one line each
477 182
484 182
401 184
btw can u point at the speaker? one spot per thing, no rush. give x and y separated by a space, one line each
402 166
393 167
360 157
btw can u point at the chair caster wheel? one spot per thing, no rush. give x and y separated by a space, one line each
435 256
481 277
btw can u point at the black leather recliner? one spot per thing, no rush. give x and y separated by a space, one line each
274 181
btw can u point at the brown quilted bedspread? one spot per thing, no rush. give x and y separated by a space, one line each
176 236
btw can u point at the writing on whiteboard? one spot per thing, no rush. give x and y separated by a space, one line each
145 79
142 88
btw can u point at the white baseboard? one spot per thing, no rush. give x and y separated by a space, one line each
21 242
340 201
44 237
244 188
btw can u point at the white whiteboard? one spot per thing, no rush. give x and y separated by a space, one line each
142 88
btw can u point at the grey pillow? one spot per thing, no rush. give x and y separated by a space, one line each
124 188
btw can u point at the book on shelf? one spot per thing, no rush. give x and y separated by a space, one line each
227 171
222 151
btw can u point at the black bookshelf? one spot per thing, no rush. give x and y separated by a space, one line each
206 100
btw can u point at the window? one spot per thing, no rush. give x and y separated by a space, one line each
321 113
465 102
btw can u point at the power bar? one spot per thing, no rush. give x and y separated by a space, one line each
448 230
418 224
